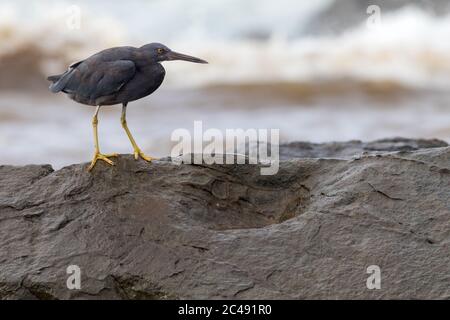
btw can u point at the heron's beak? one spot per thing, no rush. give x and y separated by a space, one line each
172 55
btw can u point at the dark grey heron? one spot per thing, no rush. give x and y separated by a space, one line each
116 76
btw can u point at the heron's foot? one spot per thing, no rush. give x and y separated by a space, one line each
138 153
104 157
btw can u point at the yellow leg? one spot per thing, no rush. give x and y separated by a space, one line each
137 151
97 154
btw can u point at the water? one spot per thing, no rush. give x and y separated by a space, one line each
267 70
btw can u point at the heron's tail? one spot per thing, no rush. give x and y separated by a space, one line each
54 78
57 84
59 81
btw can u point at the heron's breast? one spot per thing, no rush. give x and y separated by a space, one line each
144 83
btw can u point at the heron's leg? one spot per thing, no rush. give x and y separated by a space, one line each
137 150
97 154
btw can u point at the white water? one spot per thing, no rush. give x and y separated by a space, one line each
410 46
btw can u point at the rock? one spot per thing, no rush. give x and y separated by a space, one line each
356 148
162 231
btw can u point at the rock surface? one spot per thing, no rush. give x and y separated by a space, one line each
163 231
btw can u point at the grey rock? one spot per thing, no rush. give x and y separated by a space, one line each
355 148
166 231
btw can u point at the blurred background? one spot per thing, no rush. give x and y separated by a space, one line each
319 71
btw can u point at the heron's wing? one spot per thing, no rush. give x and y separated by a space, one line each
96 79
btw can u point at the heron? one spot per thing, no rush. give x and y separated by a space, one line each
116 76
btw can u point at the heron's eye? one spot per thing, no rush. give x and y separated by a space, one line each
160 50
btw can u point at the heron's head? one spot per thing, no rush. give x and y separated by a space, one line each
160 53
